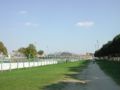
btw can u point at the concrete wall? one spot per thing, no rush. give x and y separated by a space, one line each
15 65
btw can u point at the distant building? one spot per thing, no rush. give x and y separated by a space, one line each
40 56
16 54
1 54
89 55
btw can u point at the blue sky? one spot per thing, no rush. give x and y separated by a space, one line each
58 25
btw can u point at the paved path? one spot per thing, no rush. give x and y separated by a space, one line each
97 80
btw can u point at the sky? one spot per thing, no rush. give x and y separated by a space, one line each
59 25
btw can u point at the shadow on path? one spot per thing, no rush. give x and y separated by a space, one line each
69 79
95 79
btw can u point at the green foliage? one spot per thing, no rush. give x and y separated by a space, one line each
29 52
111 49
40 52
22 50
3 49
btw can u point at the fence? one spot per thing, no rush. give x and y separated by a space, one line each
9 65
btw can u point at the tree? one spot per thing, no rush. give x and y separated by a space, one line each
116 44
29 52
40 52
110 49
3 49
22 50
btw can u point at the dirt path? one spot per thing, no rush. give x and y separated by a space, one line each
96 80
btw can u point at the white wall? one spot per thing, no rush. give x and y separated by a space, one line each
9 66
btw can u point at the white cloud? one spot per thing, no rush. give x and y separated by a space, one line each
23 12
28 24
85 24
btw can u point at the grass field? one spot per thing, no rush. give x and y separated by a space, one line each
36 78
111 68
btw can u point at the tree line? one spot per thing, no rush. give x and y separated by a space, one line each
3 49
29 51
110 49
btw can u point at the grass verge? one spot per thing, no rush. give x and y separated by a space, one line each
111 68
37 77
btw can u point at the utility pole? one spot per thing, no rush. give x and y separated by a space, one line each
97 44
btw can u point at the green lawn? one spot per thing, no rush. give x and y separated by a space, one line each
111 68
37 77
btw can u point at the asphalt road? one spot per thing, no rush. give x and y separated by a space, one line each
96 80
